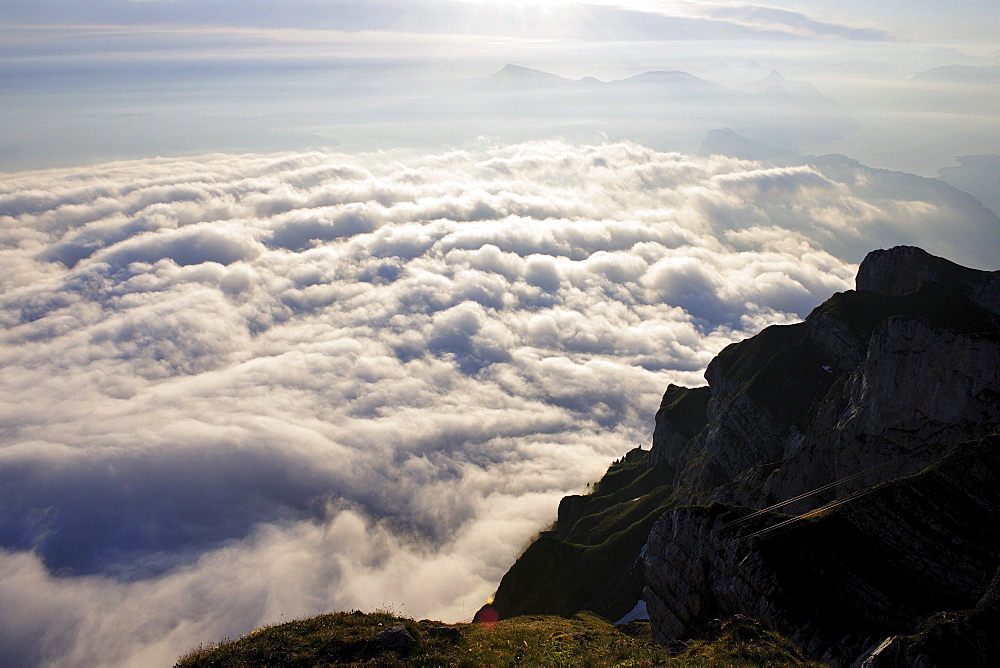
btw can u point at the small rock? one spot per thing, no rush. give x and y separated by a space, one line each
395 637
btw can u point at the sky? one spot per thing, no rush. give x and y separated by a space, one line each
314 306
105 79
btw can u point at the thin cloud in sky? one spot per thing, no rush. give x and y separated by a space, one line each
846 19
606 20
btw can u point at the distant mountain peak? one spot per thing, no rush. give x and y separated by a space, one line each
519 71
516 70
511 75
676 81
671 76
776 85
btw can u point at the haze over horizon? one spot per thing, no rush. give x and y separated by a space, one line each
310 306
112 79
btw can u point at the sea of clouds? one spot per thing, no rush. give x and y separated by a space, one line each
240 389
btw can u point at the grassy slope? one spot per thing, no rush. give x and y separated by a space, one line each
583 564
349 639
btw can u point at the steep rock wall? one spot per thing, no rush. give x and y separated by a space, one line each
839 584
876 385
871 382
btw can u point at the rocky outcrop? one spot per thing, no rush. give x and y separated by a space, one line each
877 384
681 417
906 269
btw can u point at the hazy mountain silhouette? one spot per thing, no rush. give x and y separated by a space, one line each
988 74
664 109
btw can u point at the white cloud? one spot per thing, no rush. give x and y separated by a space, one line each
239 389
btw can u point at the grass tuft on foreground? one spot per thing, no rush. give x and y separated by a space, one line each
350 639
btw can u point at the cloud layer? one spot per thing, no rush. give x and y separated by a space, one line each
242 389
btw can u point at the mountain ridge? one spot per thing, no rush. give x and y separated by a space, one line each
511 77
878 183
664 109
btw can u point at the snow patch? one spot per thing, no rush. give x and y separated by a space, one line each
637 613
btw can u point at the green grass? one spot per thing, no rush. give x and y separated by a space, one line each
587 564
621 473
349 639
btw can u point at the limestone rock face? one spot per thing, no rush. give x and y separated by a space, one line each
917 377
877 384
843 584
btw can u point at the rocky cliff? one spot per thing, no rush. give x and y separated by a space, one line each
886 565
833 480
865 412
